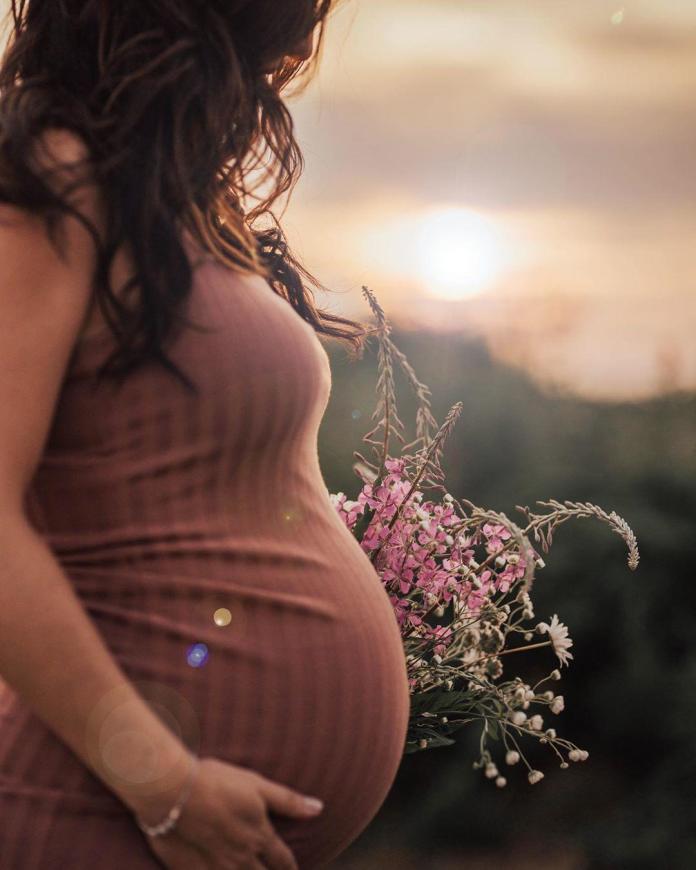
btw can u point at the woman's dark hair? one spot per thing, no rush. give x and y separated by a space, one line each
173 106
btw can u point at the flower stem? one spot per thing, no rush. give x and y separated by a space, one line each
523 648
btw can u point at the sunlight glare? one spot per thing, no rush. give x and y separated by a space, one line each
459 253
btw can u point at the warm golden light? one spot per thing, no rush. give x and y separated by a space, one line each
222 616
459 253
445 252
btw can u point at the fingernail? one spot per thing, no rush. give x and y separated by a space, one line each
314 804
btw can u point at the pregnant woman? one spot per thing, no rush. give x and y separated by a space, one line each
191 641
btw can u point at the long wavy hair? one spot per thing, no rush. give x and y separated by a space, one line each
172 101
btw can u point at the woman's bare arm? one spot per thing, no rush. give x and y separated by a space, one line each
51 653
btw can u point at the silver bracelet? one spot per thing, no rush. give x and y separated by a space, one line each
173 815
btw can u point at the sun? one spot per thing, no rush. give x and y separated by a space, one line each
459 253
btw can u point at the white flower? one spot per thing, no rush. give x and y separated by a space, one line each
512 757
578 755
559 638
534 776
501 782
557 704
518 717
536 722
522 597
555 674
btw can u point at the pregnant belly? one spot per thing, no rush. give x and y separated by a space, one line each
290 666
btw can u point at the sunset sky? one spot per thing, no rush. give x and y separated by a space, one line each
524 170
520 169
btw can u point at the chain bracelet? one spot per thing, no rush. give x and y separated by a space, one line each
172 816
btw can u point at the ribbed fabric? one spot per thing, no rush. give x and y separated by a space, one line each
163 507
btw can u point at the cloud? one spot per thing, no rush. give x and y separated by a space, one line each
477 143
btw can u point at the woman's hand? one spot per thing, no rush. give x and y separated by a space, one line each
224 823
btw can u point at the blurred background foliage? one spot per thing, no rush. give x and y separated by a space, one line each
630 697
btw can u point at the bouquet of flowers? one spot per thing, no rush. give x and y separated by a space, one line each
459 578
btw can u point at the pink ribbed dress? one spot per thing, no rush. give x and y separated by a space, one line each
198 533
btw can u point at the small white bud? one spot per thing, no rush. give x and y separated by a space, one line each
555 674
501 782
536 722
557 705
512 757
534 776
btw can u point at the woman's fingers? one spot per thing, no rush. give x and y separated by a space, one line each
176 854
285 800
277 855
